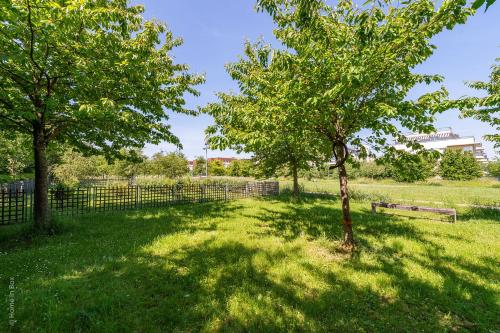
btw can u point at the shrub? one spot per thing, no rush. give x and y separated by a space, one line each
199 167
313 173
216 168
493 168
458 165
74 166
352 171
408 167
373 170
172 165
240 168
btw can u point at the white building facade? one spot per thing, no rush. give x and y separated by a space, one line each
446 139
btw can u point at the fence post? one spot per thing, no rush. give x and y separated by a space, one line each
137 196
92 196
23 193
226 192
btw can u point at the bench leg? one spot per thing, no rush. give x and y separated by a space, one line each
374 208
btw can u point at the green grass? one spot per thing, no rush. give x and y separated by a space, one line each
449 193
255 265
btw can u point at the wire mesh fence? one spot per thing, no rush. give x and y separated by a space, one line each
16 205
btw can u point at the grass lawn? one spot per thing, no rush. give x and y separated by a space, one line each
255 265
447 193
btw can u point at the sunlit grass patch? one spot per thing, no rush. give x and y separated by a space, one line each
435 193
258 265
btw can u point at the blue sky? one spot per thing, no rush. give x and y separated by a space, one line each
214 33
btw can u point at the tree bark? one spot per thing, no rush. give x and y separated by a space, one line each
295 181
346 213
41 211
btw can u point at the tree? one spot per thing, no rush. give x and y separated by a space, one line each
240 168
261 119
234 169
373 170
172 165
216 168
348 69
131 164
412 167
199 168
74 166
458 165
493 168
15 153
486 109
246 168
91 74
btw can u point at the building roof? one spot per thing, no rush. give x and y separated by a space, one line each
442 134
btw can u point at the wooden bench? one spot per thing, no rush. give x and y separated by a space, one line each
444 211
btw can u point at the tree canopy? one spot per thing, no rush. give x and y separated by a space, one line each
216 168
92 74
262 119
459 165
171 165
486 109
199 167
15 153
344 75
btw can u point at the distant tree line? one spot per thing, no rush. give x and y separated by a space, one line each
408 167
69 166
74 166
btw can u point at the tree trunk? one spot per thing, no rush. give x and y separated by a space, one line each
346 214
41 211
295 181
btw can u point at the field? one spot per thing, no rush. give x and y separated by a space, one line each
435 193
254 265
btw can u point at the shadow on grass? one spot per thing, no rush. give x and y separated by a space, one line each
107 279
177 218
456 301
311 217
479 213
428 217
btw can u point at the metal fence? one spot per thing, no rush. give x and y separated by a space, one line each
16 205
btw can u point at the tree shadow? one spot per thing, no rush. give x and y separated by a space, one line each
173 218
479 213
455 302
313 219
428 217
114 279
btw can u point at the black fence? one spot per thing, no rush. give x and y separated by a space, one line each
16 205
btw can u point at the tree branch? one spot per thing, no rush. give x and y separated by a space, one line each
15 77
32 38
18 124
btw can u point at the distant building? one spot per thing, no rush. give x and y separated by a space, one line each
446 139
